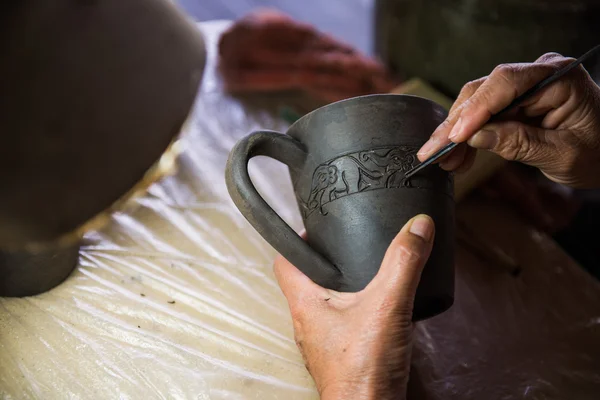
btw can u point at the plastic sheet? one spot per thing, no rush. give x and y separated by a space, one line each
177 300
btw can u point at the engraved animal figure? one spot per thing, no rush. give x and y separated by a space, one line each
340 177
392 163
357 172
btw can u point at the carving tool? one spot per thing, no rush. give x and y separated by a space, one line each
535 89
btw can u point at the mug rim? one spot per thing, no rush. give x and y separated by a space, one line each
383 96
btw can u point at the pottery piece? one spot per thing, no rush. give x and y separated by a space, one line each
347 162
31 272
92 95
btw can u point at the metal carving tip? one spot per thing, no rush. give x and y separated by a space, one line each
439 154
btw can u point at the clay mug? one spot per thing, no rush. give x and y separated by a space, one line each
347 162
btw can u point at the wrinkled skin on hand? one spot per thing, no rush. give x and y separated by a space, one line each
358 345
557 130
269 51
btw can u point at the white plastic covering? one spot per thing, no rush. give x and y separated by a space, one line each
177 300
173 300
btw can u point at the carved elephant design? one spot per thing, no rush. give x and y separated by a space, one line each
324 178
338 178
391 163
357 172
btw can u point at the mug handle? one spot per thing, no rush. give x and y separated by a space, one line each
261 216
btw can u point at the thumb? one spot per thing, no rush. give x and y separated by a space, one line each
404 260
299 290
515 141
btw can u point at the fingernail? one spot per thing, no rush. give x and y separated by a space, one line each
484 140
427 147
422 226
456 129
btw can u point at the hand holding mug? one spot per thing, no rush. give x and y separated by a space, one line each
358 345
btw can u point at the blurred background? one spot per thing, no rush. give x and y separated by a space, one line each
350 20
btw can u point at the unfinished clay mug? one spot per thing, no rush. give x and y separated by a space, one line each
347 162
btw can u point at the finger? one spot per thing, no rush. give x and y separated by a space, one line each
549 57
347 64
276 28
455 159
439 138
506 83
247 79
515 141
468 161
294 283
307 58
403 262
466 92
302 294
329 95
557 93
325 42
266 29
